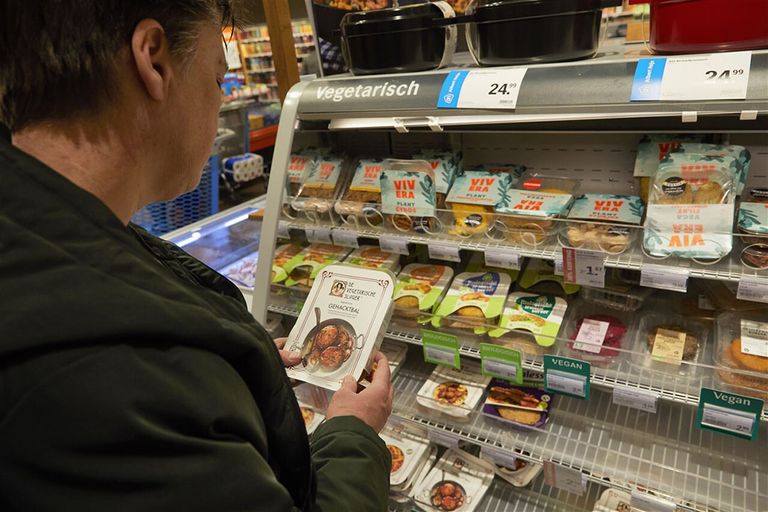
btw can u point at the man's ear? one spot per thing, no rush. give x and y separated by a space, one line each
150 51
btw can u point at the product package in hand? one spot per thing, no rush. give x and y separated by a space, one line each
341 325
458 482
691 207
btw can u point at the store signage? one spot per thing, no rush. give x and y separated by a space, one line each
502 259
636 398
582 267
728 413
441 348
501 362
566 376
664 278
481 88
318 235
394 244
650 503
394 93
444 252
565 478
719 76
753 288
345 238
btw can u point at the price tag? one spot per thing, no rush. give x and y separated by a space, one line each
345 238
641 399
440 348
394 244
650 503
719 76
481 88
501 362
559 265
502 259
664 278
443 439
561 477
283 231
754 338
586 268
669 346
752 288
445 252
591 336
501 457
567 376
728 413
319 235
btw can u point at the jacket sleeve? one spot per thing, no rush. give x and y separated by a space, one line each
343 450
127 429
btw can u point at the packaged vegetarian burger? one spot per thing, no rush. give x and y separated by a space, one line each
517 405
458 482
650 151
341 325
321 184
663 340
302 269
408 198
539 315
419 289
742 345
473 199
603 222
362 200
453 392
474 301
691 208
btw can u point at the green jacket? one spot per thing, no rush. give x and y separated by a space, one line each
133 378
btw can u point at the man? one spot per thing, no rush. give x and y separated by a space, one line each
131 375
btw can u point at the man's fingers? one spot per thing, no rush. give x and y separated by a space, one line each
382 376
290 358
349 384
280 342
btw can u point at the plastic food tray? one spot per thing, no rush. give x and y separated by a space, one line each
649 322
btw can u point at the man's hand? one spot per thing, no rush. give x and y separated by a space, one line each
289 358
373 405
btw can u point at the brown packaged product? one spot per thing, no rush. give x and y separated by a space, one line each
362 200
691 347
733 328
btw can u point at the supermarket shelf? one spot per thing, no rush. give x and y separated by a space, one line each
263 137
619 447
537 497
682 389
729 269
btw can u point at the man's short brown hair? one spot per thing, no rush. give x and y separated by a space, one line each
56 57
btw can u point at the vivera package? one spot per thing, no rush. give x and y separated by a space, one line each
446 165
321 184
362 199
603 222
341 325
474 197
740 154
650 151
691 208
408 198
474 300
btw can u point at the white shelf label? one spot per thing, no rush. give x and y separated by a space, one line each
481 88
586 268
444 252
283 231
648 503
500 457
635 398
559 265
754 338
567 383
753 288
718 76
500 368
502 259
732 420
591 336
319 235
561 477
345 238
394 244
664 278
443 439
442 355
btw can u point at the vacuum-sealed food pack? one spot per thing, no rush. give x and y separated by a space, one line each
597 335
454 392
664 340
518 406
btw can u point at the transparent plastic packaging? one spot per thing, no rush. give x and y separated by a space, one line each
617 335
321 185
530 323
446 166
473 199
654 325
734 330
361 202
474 301
408 196
457 482
603 222
419 289
617 294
